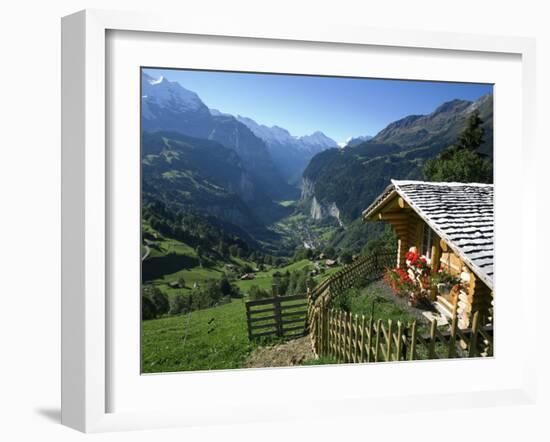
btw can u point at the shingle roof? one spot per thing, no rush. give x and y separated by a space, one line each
460 213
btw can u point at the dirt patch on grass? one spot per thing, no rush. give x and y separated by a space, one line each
293 352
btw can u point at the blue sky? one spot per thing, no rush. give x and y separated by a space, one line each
339 107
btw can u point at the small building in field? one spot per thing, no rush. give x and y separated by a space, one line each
451 225
247 276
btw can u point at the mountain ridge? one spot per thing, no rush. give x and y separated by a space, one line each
205 176
246 173
345 181
440 127
168 106
290 153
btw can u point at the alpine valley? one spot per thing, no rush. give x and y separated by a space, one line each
211 180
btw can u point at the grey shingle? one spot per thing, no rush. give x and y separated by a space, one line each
461 213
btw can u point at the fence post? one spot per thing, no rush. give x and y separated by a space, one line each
340 340
399 341
452 335
354 337
345 340
320 330
389 337
405 345
278 316
473 339
345 336
413 341
248 323
308 297
377 344
362 349
351 337
330 332
369 343
431 351
324 328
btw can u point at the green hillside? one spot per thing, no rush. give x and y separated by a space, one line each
214 338
352 177
170 260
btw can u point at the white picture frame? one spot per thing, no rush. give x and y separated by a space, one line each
86 210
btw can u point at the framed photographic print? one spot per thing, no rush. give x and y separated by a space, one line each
252 213
261 248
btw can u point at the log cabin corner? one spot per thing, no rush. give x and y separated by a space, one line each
451 225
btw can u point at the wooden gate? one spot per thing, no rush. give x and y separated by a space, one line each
280 316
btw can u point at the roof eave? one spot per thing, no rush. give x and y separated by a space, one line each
388 193
456 249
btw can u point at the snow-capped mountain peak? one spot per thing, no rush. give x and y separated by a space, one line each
273 135
277 136
168 94
318 139
152 81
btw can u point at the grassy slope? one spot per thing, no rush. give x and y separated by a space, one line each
263 279
387 307
384 307
214 338
167 253
193 275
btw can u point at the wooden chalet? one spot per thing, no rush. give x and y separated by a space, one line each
451 225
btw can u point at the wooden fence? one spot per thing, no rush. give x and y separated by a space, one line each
280 316
365 269
346 337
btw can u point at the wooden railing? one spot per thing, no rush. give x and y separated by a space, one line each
280 316
347 337
365 269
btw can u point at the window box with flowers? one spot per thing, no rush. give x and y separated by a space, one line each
444 282
417 281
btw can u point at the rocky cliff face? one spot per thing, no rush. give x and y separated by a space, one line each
308 189
319 210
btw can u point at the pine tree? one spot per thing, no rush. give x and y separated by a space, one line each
471 137
462 162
